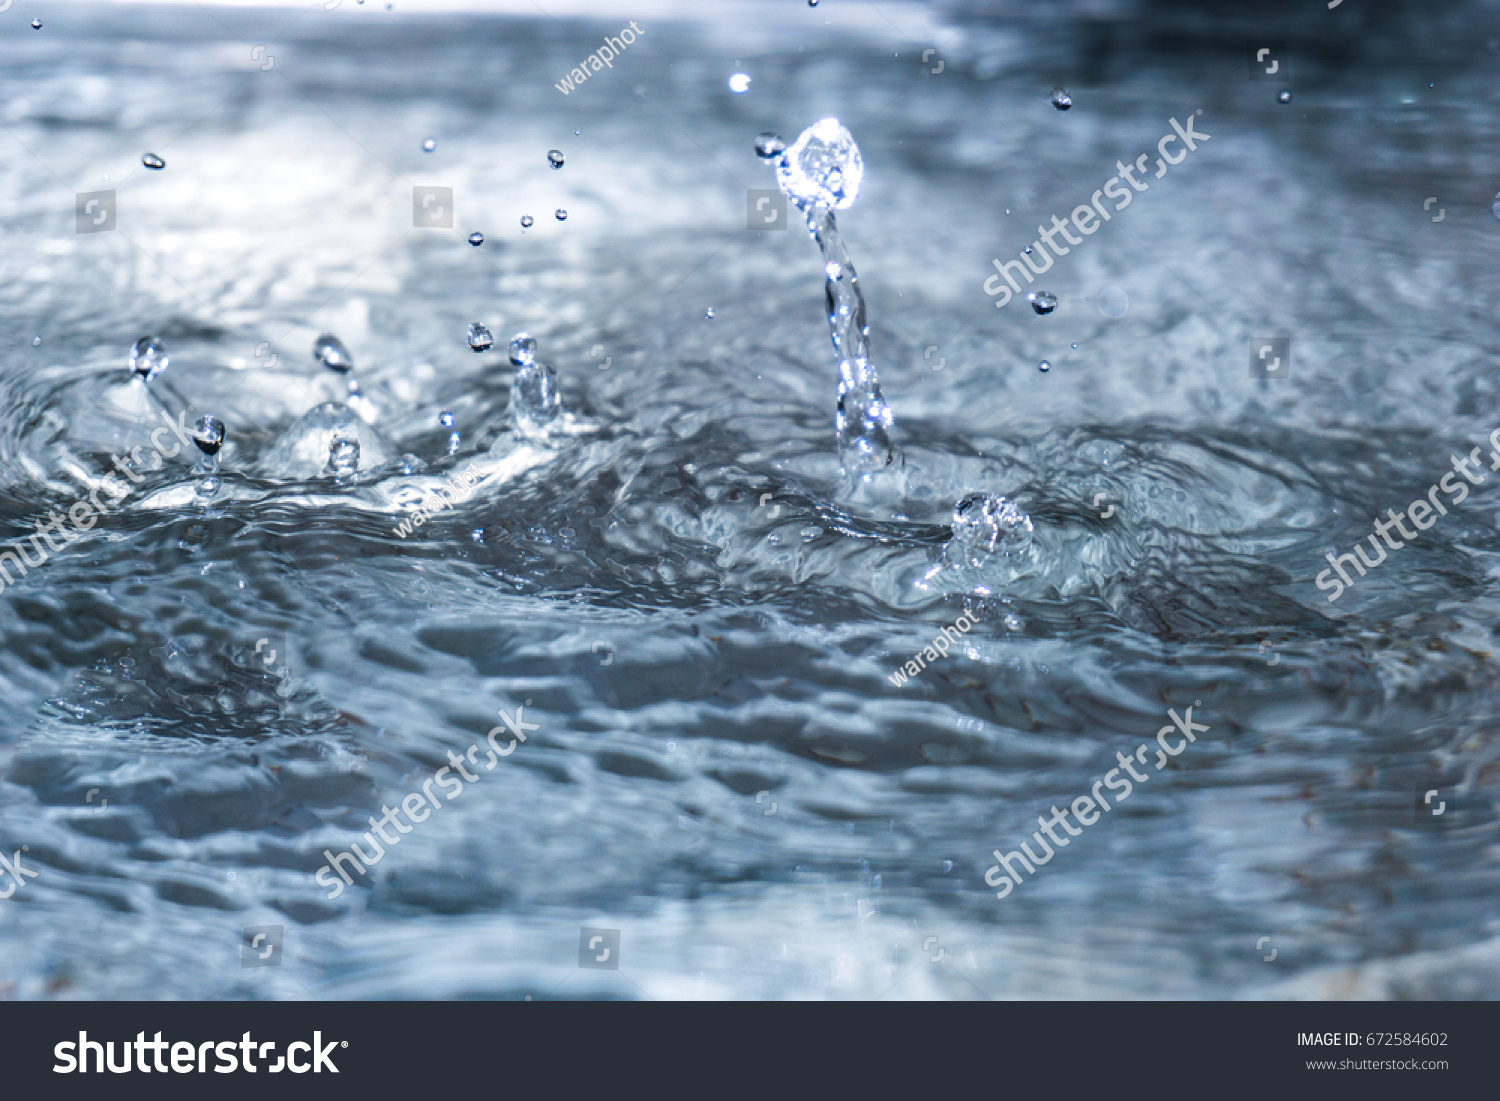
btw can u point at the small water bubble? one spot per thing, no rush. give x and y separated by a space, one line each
1060 99
208 435
429 145
36 341
152 161
526 221
329 351
476 238
1075 347
523 349
1284 97
343 454
709 313
739 83
36 24
1113 302
562 215
577 132
555 158
769 144
148 358
445 419
1043 302
1044 366
480 338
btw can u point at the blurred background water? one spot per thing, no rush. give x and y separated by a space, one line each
723 771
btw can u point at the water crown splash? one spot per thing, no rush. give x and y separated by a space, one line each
821 173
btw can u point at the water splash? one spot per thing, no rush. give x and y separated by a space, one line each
821 173
534 400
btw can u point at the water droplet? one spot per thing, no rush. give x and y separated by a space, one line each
812 3
208 435
562 215
445 419
1495 206
429 145
1027 250
555 158
823 167
329 350
523 349
1075 347
709 313
769 144
739 83
1013 623
152 161
526 221
1284 97
36 342
36 24
947 865
810 532
1113 302
577 132
343 454
1043 302
1060 99
1044 366
148 358
480 338
476 238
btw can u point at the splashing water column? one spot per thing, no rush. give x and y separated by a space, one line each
208 437
534 400
821 173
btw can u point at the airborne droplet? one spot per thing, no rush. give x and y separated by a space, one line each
1043 302
476 239
208 435
1060 99
152 161
480 338
526 221
523 349
562 215
148 358
555 158
429 145
769 144
329 350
